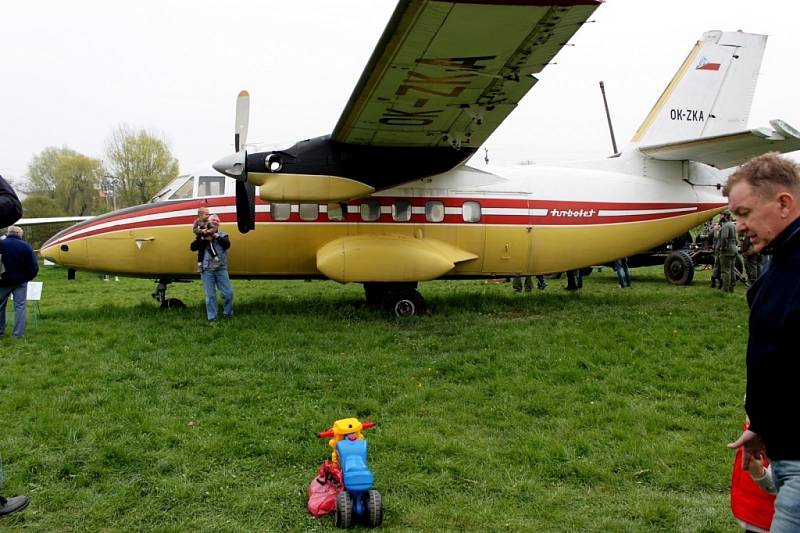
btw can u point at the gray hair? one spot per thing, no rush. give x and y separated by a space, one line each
15 230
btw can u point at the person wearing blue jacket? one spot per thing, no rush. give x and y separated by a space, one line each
214 270
20 266
764 195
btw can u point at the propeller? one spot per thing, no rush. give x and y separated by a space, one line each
235 166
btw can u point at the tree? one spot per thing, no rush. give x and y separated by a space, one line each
77 182
141 162
40 206
42 170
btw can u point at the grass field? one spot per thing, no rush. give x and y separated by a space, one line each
605 410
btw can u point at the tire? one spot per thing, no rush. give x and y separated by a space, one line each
374 508
172 303
679 268
344 510
404 302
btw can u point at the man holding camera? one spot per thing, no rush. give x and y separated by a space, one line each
214 269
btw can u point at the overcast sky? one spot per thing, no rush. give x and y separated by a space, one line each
70 72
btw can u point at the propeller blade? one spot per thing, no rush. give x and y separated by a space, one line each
242 119
245 206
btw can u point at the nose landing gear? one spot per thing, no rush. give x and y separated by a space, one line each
160 295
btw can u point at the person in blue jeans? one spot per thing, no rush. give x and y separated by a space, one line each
764 195
623 273
214 271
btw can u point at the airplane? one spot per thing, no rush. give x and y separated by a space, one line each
387 200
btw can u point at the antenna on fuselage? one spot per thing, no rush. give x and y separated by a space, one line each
608 117
486 155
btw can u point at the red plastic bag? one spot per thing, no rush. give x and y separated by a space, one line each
323 489
749 503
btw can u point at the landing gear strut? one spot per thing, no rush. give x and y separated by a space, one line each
160 295
397 299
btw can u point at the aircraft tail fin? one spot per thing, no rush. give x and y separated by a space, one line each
712 92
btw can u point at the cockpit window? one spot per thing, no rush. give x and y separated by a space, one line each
211 186
184 191
164 193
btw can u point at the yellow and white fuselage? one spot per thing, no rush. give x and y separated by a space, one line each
467 222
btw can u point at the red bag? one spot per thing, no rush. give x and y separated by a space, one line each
749 503
323 489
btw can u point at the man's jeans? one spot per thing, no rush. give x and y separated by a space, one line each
787 504
20 293
211 280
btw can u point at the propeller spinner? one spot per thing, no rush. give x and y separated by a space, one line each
235 166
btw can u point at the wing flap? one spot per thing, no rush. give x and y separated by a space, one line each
449 72
724 151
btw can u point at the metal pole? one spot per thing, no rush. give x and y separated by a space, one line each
608 116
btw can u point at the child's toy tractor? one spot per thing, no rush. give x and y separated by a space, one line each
358 501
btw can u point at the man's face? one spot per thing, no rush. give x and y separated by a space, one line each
760 217
214 222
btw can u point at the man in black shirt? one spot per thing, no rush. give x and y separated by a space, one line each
764 195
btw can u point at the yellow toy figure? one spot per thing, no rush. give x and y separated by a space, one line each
341 429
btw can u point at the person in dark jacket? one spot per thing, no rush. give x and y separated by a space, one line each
10 206
764 195
10 212
21 266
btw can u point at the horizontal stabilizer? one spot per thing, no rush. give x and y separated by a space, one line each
365 258
724 151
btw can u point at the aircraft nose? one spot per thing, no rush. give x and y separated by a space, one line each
233 165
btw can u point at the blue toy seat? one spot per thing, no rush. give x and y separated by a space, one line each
353 460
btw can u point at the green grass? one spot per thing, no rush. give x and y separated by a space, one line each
605 410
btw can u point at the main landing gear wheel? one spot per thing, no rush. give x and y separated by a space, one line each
397 299
344 510
374 508
405 302
679 268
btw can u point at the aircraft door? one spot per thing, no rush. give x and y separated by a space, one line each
508 238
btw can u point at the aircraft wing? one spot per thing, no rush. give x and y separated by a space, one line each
724 151
447 73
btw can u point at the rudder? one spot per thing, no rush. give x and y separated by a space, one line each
712 92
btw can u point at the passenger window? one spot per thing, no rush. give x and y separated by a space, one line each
211 186
309 212
184 191
471 212
434 211
336 212
280 211
370 210
401 211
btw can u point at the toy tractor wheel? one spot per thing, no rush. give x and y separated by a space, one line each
374 508
344 510
679 268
